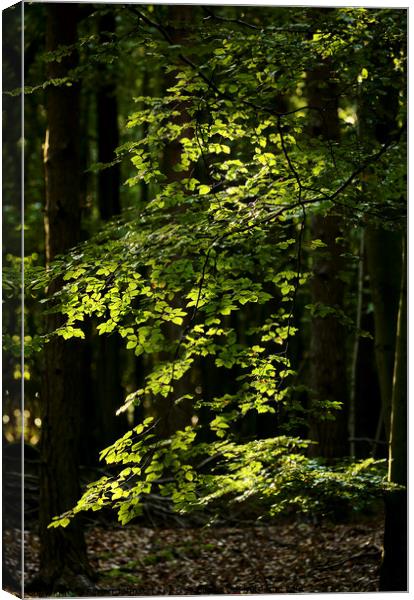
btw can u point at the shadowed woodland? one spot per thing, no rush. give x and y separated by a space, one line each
215 314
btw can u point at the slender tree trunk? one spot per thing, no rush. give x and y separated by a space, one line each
63 559
108 368
367 398
327 349
393 573
88 446
355 350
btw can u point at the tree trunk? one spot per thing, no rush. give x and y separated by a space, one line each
108 134
175 416
108 368
377 122
327 349
355 350
393 573
63 559
384 268
388 281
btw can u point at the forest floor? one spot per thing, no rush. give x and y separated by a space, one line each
289 557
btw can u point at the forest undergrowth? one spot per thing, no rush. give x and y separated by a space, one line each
293 555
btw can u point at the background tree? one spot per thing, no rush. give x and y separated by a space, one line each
380 115
63 561
394 562
108 372
328 370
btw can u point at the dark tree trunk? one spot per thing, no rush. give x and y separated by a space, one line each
386 258
367 400
88 447
108 369
393 573
384 268
328 379
110 394
108 134
377 122
63 559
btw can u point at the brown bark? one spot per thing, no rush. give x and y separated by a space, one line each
180 17
63 559
327 348
176 416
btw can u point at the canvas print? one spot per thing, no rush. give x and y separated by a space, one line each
204 299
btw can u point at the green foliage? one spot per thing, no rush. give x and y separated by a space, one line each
269 476
222 240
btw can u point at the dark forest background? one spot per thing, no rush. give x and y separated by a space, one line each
151 132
